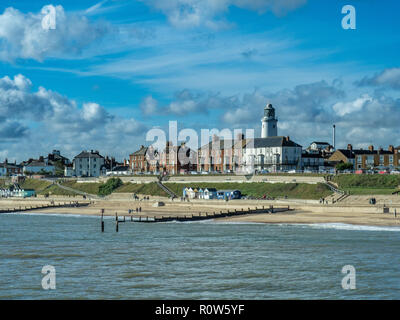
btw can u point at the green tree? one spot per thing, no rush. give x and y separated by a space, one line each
344 166
108 187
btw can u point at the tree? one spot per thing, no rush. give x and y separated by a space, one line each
344 166
108 187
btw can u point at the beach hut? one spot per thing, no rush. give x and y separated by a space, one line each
200 193
184 192
27 193
210 193
191 194
229 194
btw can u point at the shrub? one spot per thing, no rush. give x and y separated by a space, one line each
108 187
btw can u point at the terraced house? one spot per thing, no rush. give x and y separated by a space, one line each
221 155
369 158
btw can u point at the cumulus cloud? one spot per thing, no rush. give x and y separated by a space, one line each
22 34
195 13
48 120
185 102
345 107
304 102
389 78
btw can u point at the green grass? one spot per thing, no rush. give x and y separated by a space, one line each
90 188
368 184
367 181
35 184
369 191
3 182
258 189
56 190
151 189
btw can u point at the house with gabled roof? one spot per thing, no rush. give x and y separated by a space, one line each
88 164
272 153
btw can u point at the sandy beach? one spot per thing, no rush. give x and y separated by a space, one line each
352 211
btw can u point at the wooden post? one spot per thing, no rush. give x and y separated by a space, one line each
116 216
116 226
102 223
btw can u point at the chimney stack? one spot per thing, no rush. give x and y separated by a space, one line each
371 148
391 149
349 147
287 138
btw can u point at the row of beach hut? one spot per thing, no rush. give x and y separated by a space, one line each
20 193
210 193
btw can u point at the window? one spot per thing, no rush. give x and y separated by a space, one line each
359 159
391 159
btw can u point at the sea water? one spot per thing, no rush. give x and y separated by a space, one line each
197 260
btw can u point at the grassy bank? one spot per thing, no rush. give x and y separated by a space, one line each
259 189
151 189
35 184
368 184
88 187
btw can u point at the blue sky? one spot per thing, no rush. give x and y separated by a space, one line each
112 70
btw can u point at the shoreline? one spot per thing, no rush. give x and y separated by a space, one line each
303 212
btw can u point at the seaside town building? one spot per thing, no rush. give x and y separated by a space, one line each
221 155
177 159
272 154
368 159
89 164
138 162
41 166
9 169
56 156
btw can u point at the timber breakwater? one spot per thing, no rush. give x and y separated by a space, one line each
195 217
71 204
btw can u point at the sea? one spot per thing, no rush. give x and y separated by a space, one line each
194 260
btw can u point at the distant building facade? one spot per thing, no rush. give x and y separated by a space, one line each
369 158
272 154
88 164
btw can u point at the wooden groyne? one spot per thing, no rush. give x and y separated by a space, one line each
194 217
72 204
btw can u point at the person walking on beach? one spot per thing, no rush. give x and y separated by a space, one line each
395 213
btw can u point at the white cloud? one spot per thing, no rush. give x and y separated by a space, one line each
343 108
196 13
22 34
387 78
46 120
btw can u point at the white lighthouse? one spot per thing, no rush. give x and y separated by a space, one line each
269 126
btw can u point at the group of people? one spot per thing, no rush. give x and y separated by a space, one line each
137 210
135 197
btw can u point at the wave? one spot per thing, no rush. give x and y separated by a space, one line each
350 227
214 221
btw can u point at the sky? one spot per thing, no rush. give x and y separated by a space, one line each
112 70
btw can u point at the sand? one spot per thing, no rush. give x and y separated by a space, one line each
304 212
